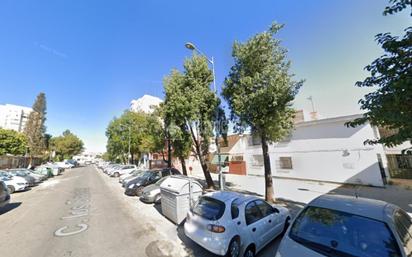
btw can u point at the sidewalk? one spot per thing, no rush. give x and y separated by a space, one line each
301 192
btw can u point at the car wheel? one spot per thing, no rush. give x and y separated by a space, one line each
11 189
234 248
249 252
116 175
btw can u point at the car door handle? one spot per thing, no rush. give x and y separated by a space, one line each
238 222
270 221
253 229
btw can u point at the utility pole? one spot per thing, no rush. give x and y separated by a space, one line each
191 46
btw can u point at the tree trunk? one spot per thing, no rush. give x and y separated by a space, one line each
199 153
183 162
268 172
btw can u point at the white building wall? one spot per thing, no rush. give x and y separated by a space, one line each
324 150
14 116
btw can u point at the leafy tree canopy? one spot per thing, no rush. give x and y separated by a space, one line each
390 104
12 142
145 132
259 87
67 145
35 128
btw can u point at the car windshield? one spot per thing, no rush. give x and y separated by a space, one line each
161 181
209 208
147 175
336 233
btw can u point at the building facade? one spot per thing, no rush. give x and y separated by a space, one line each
14 116
146 104
322 150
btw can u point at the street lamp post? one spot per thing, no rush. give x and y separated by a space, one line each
192 47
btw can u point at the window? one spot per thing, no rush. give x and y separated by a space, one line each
257 160
252 213
209 208
264 208
165 172
403 224
336 233
285 163
234 209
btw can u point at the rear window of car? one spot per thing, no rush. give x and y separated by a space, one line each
335 233
403 224
209 208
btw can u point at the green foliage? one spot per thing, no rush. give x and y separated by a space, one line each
12 142
35 127
397 6
259 88
390 105
260 91
191 106
66 146
145 135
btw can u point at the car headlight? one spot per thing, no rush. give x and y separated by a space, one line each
132 186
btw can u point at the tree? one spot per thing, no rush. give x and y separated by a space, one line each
67 145
190 105
144 130
390 105
12 142
35 128
260 91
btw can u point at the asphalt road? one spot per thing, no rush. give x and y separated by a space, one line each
73 214
84 213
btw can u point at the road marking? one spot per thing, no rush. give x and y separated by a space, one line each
60 232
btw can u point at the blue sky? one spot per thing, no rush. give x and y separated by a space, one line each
91 58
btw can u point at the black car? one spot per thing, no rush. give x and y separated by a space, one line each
135 186
4 194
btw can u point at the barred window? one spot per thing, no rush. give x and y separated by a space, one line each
285 163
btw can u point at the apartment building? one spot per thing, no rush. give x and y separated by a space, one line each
14 116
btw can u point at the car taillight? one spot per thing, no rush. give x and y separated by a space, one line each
216 228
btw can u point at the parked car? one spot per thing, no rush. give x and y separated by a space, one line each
42 170
111 167
13 183
55 168
151 193
135 186
4 194
131 175
122 170
229 223
73 162
335 225
16 172
64 165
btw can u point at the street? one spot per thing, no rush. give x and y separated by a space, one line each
83 213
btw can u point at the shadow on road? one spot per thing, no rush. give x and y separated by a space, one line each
9 207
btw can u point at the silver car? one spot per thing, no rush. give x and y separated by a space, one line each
151 193
334 225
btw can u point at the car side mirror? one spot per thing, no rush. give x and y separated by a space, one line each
275 210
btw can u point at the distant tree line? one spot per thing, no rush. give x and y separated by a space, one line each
35 142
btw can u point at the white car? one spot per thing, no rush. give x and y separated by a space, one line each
15 183
229 223
64 165
122 170
55 168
